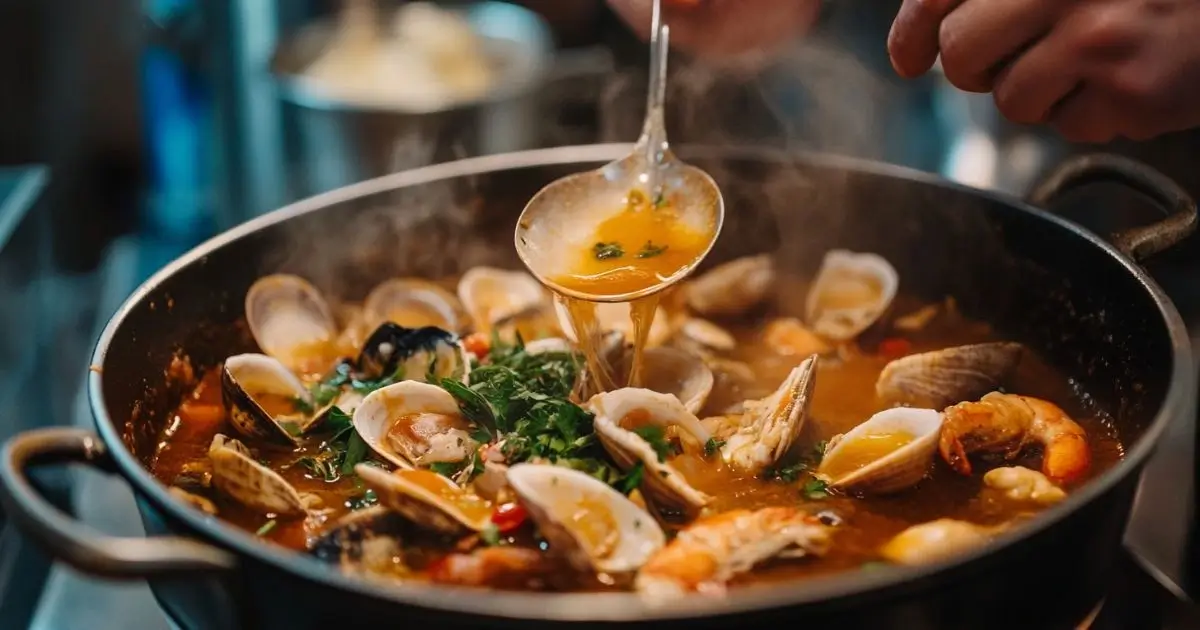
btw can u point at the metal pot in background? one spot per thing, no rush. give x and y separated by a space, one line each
332 141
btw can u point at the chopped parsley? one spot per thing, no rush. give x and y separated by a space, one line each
339 453
522 400
490 535
365 387
364 500
266 528
656 437
787 474
650 250
660 200
633 479
473 466
301 405
327 390
713 446
814 490
607 251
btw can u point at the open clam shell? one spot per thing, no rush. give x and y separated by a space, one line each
414 353
238 475
493 296
944 377
595 527
413 425
549 345
264 399
733 288
683 375
889 452
290 319
619 415
428 499
851 291
413 303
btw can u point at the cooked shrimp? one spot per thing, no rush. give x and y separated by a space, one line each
703 557
1008 423
1019 483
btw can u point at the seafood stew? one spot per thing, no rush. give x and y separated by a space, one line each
450 431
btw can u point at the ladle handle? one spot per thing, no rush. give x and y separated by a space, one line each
75 543
654 133
1138 243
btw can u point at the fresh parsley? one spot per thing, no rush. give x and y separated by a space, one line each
339 453
327 389
713 446
650 250
787 474
656 437
490 535
814 490
364 500
266 528
660 200
633 479
302 406
607 251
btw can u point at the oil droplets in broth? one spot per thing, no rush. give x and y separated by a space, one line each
638 248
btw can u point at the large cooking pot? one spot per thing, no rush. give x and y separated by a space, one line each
1082 302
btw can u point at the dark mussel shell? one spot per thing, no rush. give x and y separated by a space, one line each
248 418
392 346
370 537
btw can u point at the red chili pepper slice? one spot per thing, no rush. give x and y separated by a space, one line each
894 347
477 344
509 516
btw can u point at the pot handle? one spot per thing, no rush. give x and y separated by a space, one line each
75 543
1138 243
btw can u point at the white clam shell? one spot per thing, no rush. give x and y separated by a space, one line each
732 288
413 303
418 504
247 376
286 314
681 374
665 489
867 281
615 317
707 335
897 470
382 407
492 296
548 345
250 483
553 493
766 429
943 377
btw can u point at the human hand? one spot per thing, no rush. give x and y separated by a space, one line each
721 28
1094 69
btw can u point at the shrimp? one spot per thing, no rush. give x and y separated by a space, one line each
1008 423
703 557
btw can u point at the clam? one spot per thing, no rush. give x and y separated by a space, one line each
428 499
549 345
765 429
493 296
264 399
366 541
944 377
851 291
889 452
704 336
595 527
413 425
290 319
413 303
396 352
619 417
681 374
733 288
615 317
238 475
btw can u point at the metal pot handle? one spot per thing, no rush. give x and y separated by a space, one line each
75 543
1138 243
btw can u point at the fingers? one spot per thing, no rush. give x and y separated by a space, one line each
1086 115
981 35
913 40
1027 90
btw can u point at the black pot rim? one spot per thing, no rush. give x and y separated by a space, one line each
621 606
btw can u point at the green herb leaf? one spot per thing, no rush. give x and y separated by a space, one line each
607 251
447 469
365 500
473 405
660 200
713 446
356 451
490 535
301 405
337 421
633 479
327 390
650 250
320 468
266 528
656 437
818 452
786 474
291 428
815 489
